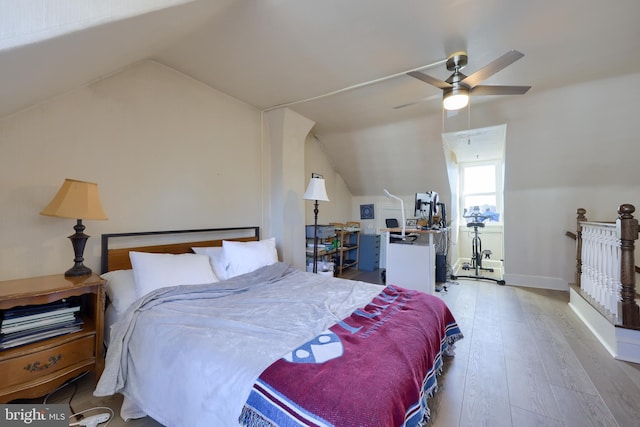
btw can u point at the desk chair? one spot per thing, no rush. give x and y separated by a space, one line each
393 223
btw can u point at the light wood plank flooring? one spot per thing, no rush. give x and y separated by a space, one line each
526 360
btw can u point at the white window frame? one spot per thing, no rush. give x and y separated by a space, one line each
499 193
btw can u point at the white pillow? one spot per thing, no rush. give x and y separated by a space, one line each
120 288
216 257
154 271
245 257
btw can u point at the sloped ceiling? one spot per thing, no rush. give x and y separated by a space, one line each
480 144
47 66
293 52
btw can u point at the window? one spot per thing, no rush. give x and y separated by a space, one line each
481 196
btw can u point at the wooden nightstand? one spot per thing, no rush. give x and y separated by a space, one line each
35 369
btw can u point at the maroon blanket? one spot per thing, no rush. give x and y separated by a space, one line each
375 368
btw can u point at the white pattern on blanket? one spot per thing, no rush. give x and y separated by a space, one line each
189 355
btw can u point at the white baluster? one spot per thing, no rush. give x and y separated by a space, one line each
618 283
602 267
586 260
584 277
601 253
599 262
595 248
592 269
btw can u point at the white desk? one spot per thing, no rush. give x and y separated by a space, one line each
412 265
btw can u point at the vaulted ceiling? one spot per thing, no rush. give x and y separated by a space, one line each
338 63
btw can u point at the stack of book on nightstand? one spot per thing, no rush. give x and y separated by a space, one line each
27 324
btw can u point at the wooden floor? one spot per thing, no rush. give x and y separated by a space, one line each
526 360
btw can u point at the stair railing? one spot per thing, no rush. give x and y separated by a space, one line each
605 265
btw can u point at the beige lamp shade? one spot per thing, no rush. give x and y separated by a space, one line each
77 200
316 190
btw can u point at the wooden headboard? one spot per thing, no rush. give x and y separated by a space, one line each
116 246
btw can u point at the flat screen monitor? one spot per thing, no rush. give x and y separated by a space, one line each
426 204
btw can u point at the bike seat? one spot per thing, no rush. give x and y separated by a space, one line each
475 224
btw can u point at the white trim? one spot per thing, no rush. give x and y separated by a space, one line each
621 343
541 282
628 345
600 327
498 165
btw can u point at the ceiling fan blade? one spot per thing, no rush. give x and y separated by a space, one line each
493 67
500 90
428 79
418 101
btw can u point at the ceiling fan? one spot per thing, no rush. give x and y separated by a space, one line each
457 88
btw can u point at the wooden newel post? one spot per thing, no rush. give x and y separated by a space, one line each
581 218
628 229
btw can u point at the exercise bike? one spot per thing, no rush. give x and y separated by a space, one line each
476 251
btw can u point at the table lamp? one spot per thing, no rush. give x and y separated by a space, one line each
316 191
404 222
78 200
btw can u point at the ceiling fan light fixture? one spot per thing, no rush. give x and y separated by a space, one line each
455 98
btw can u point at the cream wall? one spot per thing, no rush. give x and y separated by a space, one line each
166 151
285 133
338 208
570 147
169 152
384 208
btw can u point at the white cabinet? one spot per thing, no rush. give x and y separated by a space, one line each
412 265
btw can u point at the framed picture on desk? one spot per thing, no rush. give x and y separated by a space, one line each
412 222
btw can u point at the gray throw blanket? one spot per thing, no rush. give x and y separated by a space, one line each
189 355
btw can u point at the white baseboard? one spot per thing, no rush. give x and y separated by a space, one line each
628 345
600 327
621 343
541 282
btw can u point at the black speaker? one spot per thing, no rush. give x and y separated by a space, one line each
441 268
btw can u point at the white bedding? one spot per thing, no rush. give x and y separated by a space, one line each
110 317
188 355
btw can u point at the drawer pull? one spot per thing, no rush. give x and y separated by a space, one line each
35 366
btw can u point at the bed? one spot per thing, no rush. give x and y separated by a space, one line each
230 336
